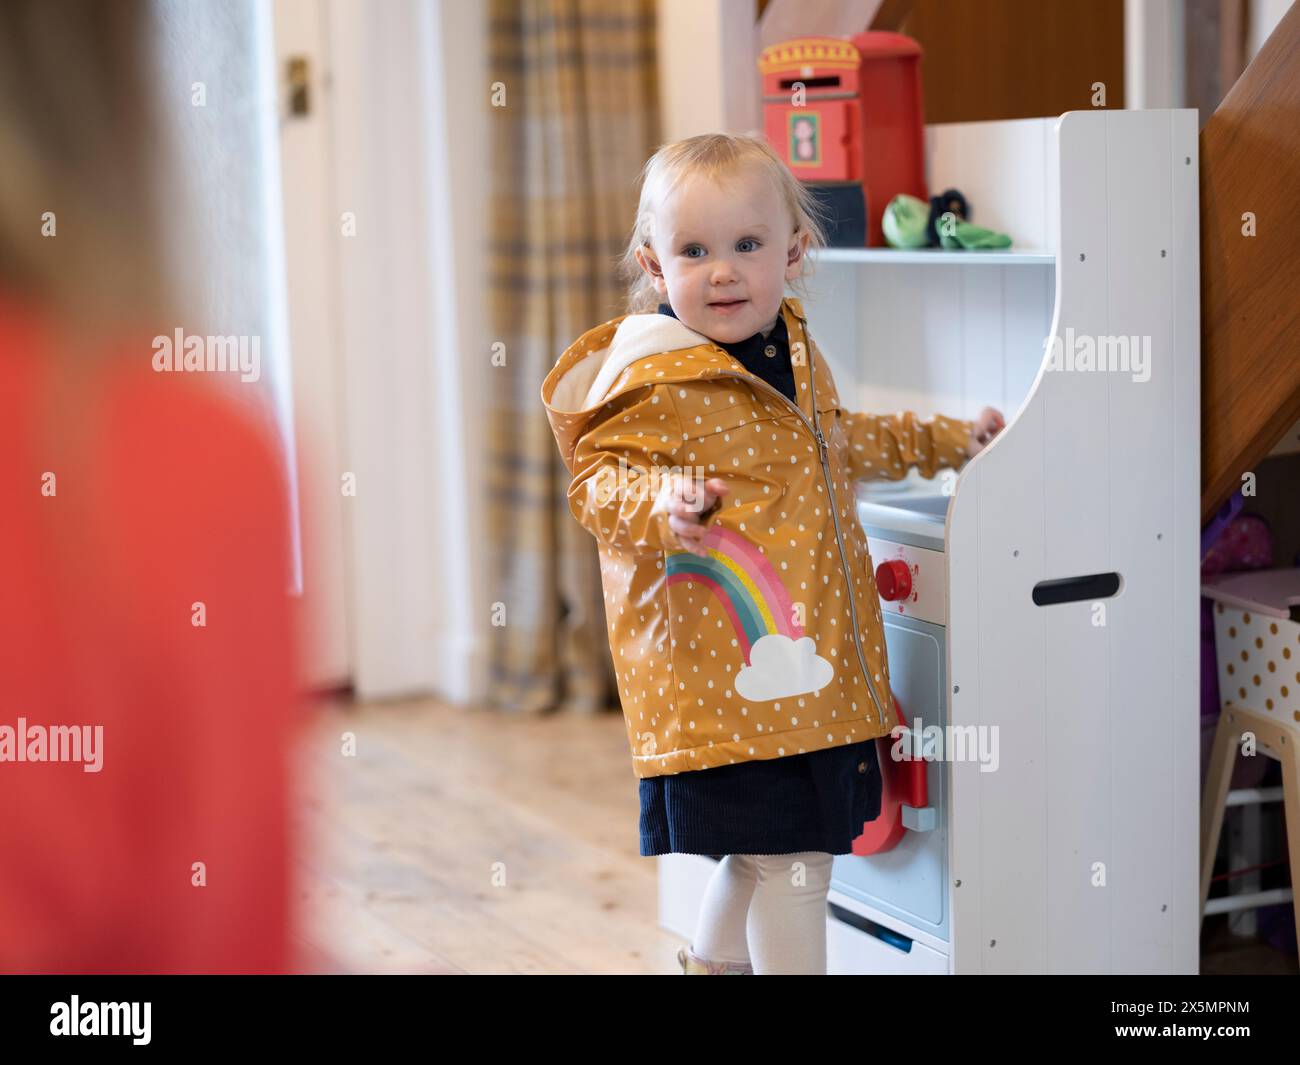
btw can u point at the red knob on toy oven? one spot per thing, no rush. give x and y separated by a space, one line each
894 579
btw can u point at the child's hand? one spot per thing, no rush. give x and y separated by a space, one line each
687 502
989 423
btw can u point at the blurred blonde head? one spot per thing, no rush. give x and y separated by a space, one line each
717 157
82 161
84 177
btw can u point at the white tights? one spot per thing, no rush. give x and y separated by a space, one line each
768 910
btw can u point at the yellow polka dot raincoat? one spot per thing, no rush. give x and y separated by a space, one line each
773 644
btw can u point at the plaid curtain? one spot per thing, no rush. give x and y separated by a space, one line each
574 116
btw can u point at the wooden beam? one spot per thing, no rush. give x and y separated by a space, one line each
1250 313
891 15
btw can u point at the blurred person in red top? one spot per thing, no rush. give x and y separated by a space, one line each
148 706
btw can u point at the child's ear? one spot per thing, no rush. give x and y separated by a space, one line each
645 257
795 255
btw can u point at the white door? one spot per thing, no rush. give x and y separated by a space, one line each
311 230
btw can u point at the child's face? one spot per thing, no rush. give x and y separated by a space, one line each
722 254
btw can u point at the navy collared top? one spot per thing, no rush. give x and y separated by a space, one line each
768 358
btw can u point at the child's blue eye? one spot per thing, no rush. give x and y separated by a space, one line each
688 250
749 240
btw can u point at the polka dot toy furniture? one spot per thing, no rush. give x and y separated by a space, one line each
1257 645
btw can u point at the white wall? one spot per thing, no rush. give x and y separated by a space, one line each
1154 54
708 72
457 81
408 155
1264 17
1155 48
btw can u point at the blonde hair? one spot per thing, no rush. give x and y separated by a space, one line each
83 153
79 134
715 156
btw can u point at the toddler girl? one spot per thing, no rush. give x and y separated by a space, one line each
713 462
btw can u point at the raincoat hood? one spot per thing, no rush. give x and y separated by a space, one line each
602 364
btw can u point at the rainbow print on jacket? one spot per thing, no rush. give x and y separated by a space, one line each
780 661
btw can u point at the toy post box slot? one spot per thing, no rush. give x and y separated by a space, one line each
819 138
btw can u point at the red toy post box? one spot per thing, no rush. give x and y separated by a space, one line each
857 119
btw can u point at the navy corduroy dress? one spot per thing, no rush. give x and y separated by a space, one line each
802 802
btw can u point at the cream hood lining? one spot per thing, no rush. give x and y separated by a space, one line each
588 381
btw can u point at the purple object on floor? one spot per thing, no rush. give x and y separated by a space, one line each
1276 926
1219 522
1250 548
1245 544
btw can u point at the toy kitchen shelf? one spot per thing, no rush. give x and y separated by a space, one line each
1080 851
934 257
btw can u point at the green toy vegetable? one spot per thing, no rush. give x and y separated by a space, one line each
905 220
906 223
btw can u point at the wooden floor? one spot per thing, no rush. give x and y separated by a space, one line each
471 842
462 841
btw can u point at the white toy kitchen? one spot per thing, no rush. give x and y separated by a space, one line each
1041 606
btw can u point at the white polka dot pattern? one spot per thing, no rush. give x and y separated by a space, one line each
682 627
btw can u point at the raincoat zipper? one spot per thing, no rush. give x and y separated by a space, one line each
815 427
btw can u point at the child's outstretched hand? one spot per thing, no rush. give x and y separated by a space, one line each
688 503
989 423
